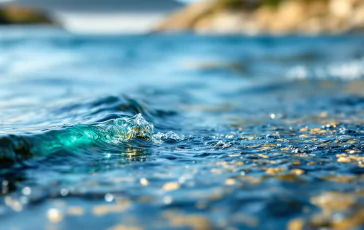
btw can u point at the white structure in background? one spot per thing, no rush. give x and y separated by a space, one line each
108 23
106 16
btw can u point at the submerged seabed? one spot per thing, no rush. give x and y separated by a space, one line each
155 132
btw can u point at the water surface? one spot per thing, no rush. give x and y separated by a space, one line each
183 131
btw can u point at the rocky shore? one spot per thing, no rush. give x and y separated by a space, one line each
268 17
17 15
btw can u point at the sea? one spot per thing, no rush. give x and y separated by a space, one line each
180 131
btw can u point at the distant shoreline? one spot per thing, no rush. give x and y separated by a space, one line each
14 15
285 17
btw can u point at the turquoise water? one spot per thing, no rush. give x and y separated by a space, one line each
180 131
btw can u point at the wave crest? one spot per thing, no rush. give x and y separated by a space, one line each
112 132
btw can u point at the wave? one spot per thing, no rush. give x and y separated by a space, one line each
112 107
114 132
17 120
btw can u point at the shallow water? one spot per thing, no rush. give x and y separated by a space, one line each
183 131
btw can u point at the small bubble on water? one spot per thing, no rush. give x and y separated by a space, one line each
109 197
182 180
26 191
295 150
13 203
222 145
167 200
5 187
5 183
23 200
272 116
64 192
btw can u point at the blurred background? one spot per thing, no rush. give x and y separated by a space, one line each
111 16
202 16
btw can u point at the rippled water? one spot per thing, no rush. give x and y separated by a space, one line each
182 131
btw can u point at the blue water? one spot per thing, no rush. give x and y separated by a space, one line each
180 131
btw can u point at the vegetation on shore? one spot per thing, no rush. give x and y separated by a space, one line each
269 17
18 15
